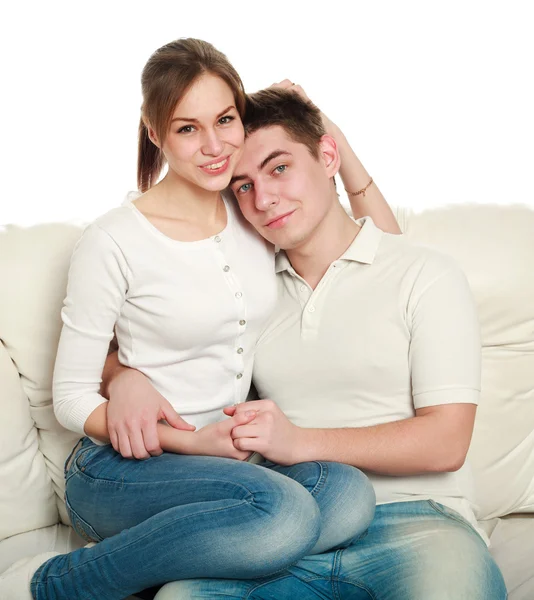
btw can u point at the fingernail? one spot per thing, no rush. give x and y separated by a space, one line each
250 413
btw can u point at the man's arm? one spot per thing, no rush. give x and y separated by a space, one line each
444 361
435 440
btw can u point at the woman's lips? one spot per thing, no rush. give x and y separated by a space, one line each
216 168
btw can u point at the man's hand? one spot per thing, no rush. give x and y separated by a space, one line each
270 433
216 439
133 411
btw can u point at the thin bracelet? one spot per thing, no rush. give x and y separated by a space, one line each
362 191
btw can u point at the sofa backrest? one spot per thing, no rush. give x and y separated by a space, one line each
494 245
33 275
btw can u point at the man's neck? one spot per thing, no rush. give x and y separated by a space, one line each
328 242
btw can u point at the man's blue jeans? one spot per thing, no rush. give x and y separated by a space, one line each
416 550
176 517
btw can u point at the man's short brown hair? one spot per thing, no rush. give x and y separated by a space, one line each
300 119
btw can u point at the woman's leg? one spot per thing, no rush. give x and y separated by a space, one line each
344 495
175 517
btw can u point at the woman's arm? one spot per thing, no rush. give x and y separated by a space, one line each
96 290
369 201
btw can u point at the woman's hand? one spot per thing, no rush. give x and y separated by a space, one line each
330 127
216 439
133 412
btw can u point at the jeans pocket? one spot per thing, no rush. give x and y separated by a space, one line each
455 516
81 526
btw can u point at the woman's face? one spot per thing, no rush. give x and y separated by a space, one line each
206 136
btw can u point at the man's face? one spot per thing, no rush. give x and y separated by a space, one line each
282 190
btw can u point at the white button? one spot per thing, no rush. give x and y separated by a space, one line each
242 322
226 268
303 288
311 308
240 350
217 239
238 294
239 375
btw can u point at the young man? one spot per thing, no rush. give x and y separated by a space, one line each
372 358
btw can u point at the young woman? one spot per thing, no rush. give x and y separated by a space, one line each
186 285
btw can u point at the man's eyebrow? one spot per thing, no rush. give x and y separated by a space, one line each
196 120
274 154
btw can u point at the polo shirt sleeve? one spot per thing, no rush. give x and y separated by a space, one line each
445 350
96 290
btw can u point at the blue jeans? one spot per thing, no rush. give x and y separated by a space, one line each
176 517
416 550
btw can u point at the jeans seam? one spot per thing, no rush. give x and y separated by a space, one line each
124 484
260 585
321 480
458 519
336 579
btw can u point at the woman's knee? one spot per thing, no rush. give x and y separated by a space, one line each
290 522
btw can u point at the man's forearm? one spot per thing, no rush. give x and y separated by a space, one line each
407 447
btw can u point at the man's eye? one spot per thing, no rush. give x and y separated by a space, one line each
244 188
226 120
186 129
280 168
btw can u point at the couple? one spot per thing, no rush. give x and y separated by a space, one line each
364 350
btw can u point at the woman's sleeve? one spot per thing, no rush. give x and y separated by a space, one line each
96 291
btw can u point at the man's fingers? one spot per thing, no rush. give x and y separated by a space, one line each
124 445
241 418
114 439
151 439
138 445
175 420
245 431
230 410
246 444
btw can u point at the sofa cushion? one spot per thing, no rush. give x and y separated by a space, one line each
495 247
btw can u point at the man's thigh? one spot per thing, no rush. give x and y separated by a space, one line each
411 551
418 551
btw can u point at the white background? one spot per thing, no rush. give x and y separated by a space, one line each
436 97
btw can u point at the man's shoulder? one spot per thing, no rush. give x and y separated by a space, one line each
414 258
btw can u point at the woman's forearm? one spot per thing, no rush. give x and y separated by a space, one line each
171 439
355 178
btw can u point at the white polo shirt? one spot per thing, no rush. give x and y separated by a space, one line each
390 328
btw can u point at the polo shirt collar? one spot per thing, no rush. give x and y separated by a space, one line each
363 249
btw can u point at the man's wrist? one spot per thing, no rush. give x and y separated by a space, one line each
304 445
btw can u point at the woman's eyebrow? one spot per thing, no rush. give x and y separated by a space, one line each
196 120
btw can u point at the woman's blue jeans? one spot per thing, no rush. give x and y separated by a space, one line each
178 517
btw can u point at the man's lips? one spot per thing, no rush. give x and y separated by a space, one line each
279 221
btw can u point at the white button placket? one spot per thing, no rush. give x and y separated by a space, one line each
241 321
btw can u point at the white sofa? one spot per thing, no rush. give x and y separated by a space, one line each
495 247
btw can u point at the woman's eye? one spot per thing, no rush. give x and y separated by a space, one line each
186 129
244 188
280 169
226 120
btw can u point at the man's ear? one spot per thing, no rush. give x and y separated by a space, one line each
329 154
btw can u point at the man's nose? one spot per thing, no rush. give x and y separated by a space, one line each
266 197
211 143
